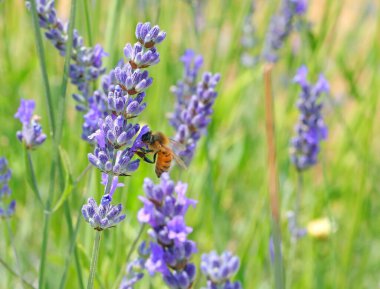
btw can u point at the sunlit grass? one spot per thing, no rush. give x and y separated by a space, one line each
342 43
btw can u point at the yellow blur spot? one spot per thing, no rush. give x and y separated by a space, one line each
320 228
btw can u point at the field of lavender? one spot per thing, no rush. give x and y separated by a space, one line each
268 113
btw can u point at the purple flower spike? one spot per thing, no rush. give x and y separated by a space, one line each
103 216
164 208
220 269
6 211
193 108
281 26
86 62
25 111
31 134
110 124
310 129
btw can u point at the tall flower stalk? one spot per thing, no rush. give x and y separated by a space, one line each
281 25
86 62
165 206
194 104
309 131
118 137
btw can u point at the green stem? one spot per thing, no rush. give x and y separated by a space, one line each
88 22
41 279
297 204
294 239
62 99
131 250
134 244
31 177
14 273
94 259
45 232
14 248
73 233
111 30
41 56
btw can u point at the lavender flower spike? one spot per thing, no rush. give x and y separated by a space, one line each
310 129
281 26
31 134
118 137
5 191
193 108
220 269
87 61
165 206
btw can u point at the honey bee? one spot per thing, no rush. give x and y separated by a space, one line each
159 144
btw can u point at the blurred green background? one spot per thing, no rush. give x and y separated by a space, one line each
229 173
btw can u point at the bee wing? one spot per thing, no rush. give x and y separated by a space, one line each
177 145
179 161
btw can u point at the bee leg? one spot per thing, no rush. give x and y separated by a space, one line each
142 155
149 160
145 150
155 157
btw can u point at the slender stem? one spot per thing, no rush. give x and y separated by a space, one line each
10 233
45 232
32 177
73 233
88 22
134 244
16 274
45 235
111 29
297 203
82 174
94 259
41 56
294 234
62 99
273 185
131 250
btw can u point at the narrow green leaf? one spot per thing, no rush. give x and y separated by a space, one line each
31 176
62 99
69 184
41 56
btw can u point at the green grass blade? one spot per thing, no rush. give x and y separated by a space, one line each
73 235
41 56
62 99
88 22
31 176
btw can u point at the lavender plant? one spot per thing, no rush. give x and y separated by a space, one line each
87 62
31 134
6 210
281 26
193 108
118 138
310 129
220 269
165 206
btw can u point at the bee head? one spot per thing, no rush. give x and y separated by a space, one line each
147 137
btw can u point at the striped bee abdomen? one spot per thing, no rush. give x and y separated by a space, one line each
163 162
